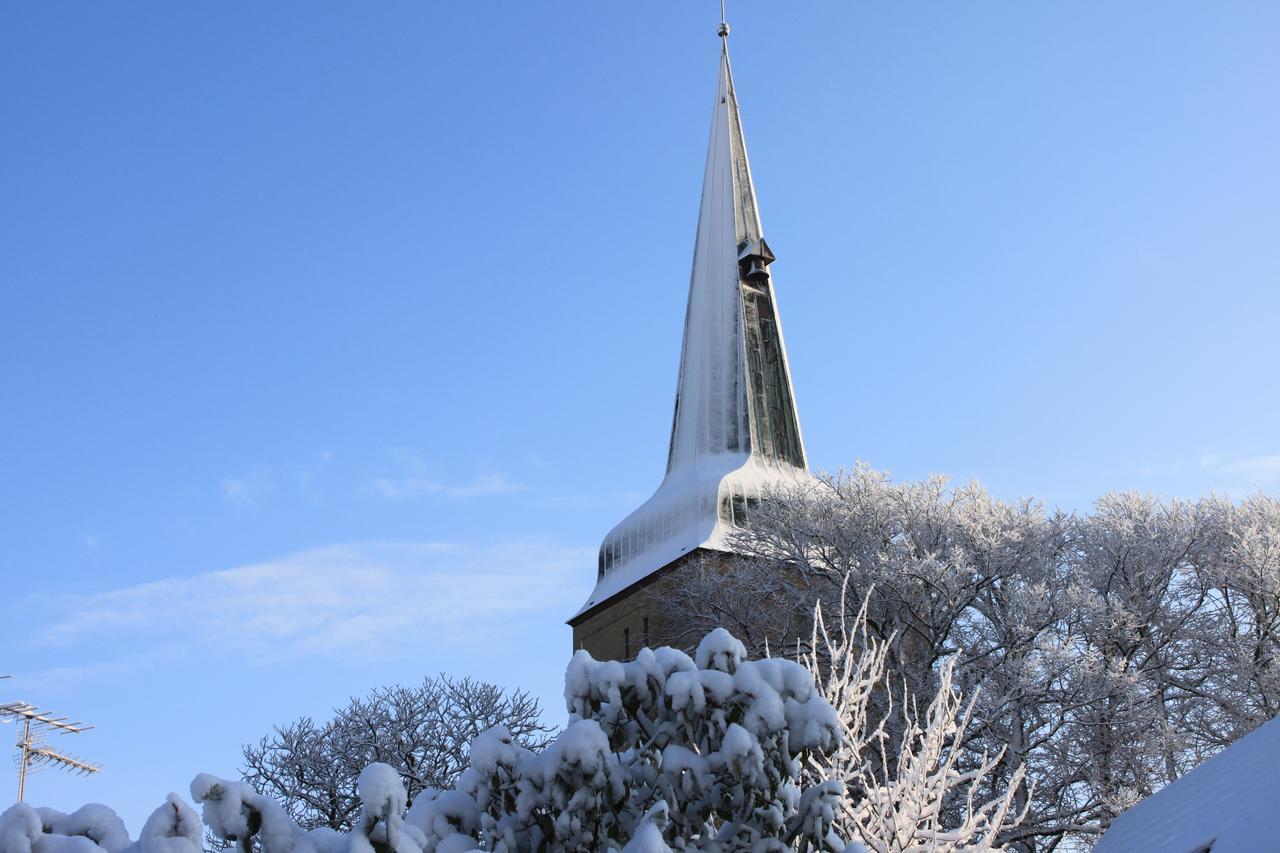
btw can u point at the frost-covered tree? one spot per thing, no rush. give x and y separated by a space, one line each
424 732
1239 688
1115 649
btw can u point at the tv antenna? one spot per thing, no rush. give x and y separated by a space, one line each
34 753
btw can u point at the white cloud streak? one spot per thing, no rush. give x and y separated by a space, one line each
403 488
1259 470
410 478
248 491
356 601
1225 474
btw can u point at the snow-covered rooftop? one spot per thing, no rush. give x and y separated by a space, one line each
735 432
1229 804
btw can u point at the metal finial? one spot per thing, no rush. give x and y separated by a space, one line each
723 30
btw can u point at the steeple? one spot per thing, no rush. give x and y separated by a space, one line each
734 394
735 432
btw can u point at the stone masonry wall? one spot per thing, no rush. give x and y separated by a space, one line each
617 631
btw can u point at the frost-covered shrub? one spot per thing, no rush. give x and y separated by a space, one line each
236 813
172 828
662 752
918 794
89 829
94 822
20 828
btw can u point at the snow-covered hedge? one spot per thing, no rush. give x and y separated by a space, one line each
665 752
172 828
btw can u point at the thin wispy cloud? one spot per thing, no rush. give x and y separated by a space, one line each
410 476
248 491
357 601
1223 473
1242 475
61 677
306 474
1259 469
265 482
404 488
492 484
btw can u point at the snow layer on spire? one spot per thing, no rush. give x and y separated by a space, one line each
735 432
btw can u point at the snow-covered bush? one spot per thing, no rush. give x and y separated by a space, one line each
662 753
172 828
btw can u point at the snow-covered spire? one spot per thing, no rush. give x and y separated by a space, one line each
734 394
735 431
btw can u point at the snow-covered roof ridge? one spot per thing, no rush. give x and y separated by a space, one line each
1229 804
735 432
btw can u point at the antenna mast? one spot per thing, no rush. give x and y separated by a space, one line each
33 753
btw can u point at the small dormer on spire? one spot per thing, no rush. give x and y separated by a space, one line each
753 263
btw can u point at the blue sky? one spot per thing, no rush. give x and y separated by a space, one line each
335 336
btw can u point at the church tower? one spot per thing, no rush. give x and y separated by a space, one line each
735 433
